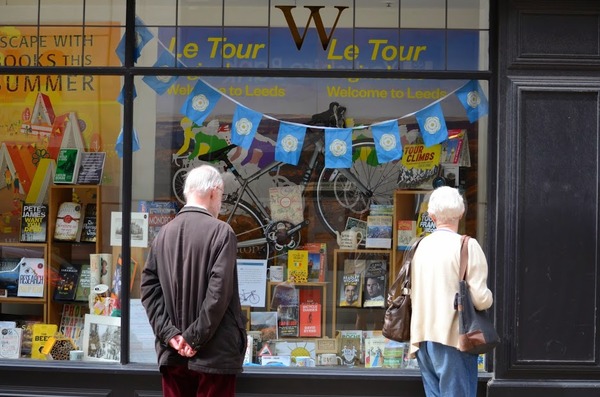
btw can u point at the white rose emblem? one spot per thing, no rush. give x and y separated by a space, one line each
243 126
432 124
200 102
138 39
473 99
338 148
387 142
163 79
289 143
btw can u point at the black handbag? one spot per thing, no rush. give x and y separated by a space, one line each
477 334
396 322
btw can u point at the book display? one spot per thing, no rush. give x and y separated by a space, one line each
34 223
67 165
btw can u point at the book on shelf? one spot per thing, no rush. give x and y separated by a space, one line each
31 278
84 284
91 168
284 294
374 349
67 165
40 335
9 276
72 322
117 284
266 323
375 282
68 218
34 223
350 347
26 326
317 261
452 147
88 226
407 232
159 214
379 231
310 320
351 290
425 224
287 321
310 295
67 282
297 266
286 204
10 342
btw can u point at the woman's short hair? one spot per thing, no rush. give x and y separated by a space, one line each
201 180
446 204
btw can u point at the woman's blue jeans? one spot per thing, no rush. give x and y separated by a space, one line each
446 371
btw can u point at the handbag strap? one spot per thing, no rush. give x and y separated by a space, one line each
464 256
405 269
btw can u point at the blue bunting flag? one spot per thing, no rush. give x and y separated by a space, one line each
290 140
474 100
135 143
200 102
244 125
142 36
338 148
161 84
386 136
432 124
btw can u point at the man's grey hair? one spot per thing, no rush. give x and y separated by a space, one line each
201 180
446 204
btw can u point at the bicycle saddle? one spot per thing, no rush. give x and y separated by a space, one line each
216 154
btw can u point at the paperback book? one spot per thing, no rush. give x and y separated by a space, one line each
407 231
34 223
350 345
317 261
67 281
297 269
9 276
310 320
287 321
351 290
31 278
41 334
88 227
67 165
375 283
84 284
379 231
159 214
10 342
91 168
67 221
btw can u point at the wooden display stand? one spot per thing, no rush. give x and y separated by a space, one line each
27 250
69 251
358 322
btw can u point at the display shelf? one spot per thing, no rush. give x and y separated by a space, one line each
320 285
26 250
69 251
356 317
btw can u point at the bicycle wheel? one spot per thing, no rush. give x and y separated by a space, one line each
338 198
248 228
178 184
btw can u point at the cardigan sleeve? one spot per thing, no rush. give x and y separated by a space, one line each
477 272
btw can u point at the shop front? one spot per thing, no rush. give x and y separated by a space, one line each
332 123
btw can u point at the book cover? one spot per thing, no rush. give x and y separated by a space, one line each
287 204
84 284
351 290
287 321
284 294
117 284
419 166
317 261
159 214
266 323
41 334
67 281
91 168
425 225
350 345
67 221
379 231
9 276
310 295
10 342
310 320
72 323
452 147
67 165
31 278
88 227
34 223
375 282
407 232
26 326
297 266
374 349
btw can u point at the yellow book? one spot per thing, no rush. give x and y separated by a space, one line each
297 266
41 334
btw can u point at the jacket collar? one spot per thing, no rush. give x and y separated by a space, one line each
190 208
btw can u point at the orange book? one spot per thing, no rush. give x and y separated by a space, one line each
310 320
